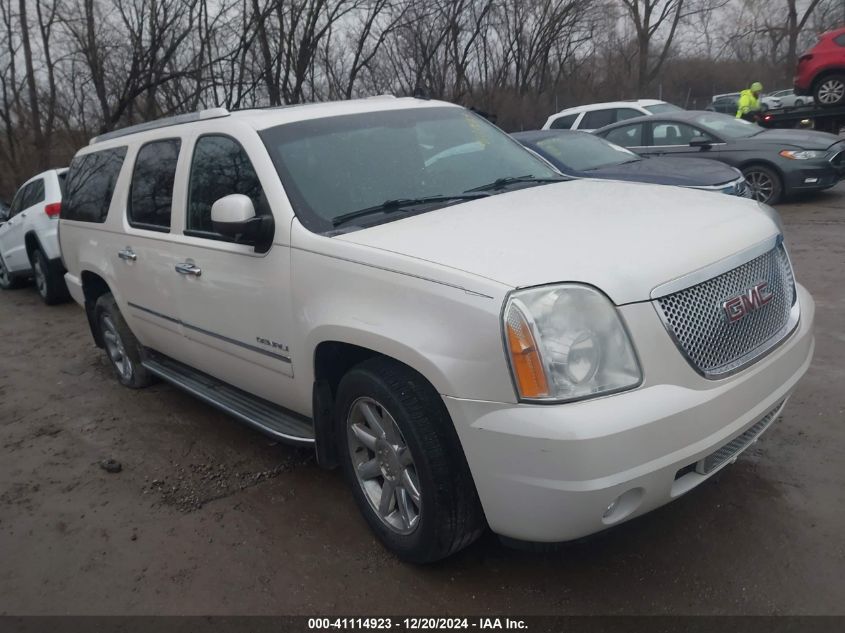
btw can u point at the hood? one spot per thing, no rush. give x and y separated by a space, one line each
690 172
803 139
624 238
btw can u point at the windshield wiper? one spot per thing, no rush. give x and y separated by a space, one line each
501 183
399 204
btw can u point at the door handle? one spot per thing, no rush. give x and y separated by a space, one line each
127 254
187 268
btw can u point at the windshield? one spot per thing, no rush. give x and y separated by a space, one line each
584 152
333 166
663 108
727 126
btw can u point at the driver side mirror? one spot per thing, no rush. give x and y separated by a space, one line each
234 217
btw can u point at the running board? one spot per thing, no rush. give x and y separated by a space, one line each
269 418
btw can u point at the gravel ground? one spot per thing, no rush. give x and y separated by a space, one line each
208 517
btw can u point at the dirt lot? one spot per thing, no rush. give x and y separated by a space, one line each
209 517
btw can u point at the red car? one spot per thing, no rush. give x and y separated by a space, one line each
821 70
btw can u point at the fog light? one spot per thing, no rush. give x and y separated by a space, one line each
810 181
623 506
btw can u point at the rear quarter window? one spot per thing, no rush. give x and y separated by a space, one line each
90 184
563 122
839 40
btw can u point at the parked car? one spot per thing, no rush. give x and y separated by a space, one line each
821 70
473 339
725 103
729 103
596 115
583 155
775 162
29 246
789 99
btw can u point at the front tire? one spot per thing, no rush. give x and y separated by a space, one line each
49 280
122 348
766 185
401 455
830 91
7 281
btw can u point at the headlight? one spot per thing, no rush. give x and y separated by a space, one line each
804 154
567 342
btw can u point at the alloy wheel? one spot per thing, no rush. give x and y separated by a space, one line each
831 91
115 348
761 185
40 279
383 465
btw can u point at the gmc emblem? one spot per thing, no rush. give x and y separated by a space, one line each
750 300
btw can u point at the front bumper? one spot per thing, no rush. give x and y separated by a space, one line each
813 176
549 473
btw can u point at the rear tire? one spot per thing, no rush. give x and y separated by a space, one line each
830 91
396 438
765 183
49 280
122 348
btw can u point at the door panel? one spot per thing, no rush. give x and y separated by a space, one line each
234 304
143 252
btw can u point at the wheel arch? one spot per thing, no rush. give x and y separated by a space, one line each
332 358
93 287
31 243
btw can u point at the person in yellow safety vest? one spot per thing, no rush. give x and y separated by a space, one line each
749 102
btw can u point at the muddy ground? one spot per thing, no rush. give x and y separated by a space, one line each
209 517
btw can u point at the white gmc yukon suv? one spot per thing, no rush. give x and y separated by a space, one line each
473 339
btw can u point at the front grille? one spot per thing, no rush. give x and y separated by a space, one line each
698 323
738 444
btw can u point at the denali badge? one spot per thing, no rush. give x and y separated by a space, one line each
748 301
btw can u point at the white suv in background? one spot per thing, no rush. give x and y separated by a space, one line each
29 245
596 115
472 338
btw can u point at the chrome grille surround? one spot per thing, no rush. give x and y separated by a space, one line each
696 321
738 444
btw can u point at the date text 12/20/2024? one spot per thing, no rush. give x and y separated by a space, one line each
416 624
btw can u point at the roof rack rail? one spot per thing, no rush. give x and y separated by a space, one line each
211 113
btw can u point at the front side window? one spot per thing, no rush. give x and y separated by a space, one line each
334 166
90 184
220 168
151 193
627 135
673 133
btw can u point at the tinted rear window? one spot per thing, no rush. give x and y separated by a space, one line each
563 122
90 185
34 193
151 196
598 118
